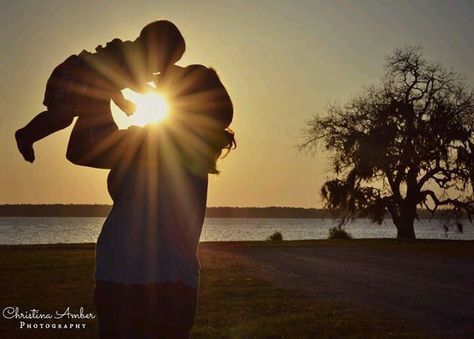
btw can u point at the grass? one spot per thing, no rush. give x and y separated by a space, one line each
233 302
434 247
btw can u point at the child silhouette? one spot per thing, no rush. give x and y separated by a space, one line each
100 76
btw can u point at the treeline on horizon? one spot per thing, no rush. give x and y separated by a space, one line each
97 210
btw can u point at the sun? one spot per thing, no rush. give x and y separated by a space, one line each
151 108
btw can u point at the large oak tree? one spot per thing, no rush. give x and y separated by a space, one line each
405 143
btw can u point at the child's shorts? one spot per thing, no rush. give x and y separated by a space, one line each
67 87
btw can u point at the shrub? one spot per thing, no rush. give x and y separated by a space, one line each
337 232
276 236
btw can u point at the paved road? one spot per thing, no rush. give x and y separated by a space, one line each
435 292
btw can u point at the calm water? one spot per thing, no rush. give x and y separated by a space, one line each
79 230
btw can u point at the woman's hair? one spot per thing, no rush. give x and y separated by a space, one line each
224 139
205 110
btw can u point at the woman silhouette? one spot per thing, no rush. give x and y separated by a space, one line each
147 269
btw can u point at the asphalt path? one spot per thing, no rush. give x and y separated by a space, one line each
434 292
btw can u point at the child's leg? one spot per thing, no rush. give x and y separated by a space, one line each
42 125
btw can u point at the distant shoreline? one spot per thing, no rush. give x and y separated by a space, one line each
101 210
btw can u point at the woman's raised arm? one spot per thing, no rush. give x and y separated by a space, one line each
96 141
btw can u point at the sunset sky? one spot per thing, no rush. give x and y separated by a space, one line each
281 61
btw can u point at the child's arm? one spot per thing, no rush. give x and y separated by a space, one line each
125 105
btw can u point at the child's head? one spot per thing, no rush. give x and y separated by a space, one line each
202 107
162 45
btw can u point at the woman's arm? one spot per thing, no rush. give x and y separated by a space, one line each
96 141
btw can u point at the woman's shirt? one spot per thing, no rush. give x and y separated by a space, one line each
159 194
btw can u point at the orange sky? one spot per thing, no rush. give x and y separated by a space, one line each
281 62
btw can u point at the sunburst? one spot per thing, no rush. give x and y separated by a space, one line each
151 108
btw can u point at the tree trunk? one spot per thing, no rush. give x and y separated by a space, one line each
405 229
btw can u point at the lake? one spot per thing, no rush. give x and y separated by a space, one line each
32 230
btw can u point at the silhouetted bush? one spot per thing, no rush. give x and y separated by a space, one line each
276 236
337 232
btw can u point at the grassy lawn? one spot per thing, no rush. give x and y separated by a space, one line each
233 303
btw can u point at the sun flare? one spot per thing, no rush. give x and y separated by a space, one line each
151 108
